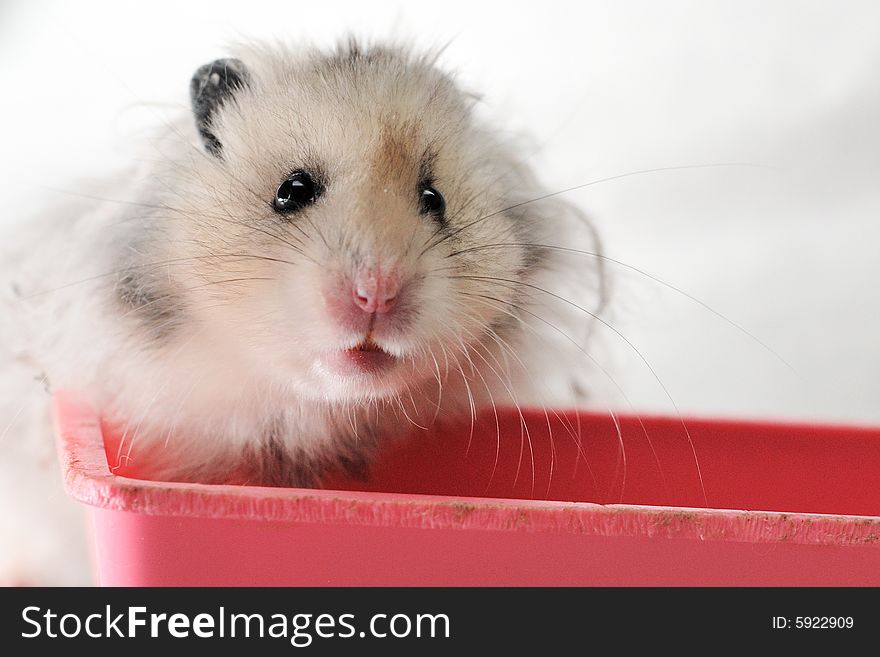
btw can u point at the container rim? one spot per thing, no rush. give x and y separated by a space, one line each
88 479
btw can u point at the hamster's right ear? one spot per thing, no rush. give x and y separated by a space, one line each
211 86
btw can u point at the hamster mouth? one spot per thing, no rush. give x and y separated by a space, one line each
367 345
365 358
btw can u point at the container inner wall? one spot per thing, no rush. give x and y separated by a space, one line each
585 457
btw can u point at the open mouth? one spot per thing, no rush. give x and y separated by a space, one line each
366 358
367 345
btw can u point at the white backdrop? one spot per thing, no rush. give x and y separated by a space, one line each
786 247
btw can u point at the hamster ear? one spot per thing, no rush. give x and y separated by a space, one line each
211 86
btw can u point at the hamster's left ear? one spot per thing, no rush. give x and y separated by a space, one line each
211 86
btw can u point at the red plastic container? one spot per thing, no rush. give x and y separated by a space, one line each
532 500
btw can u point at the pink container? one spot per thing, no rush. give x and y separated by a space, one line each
778 505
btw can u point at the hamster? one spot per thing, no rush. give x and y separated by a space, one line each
330 248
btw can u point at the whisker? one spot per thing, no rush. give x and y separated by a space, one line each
505 350
523 424
503 307
163 263
640 355
471 404
622 453
474 370
591 183
638 270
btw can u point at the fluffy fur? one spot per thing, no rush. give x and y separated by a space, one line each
195 317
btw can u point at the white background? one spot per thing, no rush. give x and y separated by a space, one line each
787 248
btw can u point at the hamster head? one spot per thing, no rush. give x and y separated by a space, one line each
325 228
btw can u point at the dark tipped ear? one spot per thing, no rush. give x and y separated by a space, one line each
211 86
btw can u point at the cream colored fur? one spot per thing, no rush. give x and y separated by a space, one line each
214 353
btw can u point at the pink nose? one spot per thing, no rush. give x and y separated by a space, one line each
375 291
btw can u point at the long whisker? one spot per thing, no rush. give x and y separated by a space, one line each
638 270
633 347
506 350
523 423
639 172
162 263
475 370
622 453
470 396
194 287
503 307
575 436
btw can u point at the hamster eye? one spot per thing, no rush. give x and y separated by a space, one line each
298 191
432 202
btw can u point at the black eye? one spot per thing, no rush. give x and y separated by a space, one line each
298 191
432 202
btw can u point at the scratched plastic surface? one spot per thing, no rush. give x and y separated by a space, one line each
542 499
